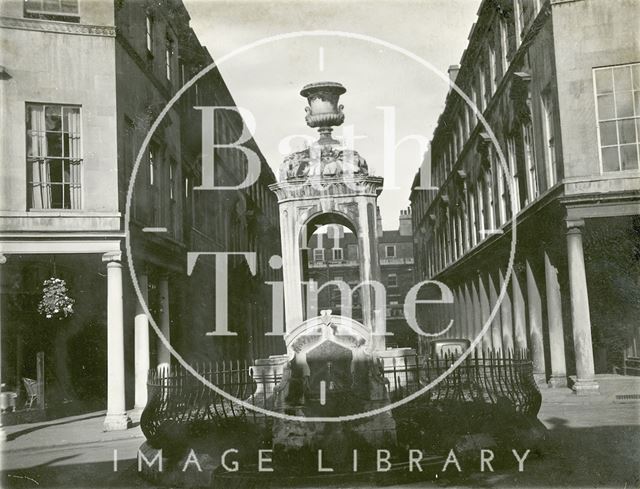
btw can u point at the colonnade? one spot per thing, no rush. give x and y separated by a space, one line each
117 417
519 319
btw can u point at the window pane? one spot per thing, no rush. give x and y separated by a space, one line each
54 144
66 171
50 5
608 133
605 107
69 6
56 196
627 131
635 70
55 171
610 159
53 120
622 78
624 104
69 114
629 156
636 99
33 4
604 81
67 196
75 173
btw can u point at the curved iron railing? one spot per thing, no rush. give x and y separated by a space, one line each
180 406
486 377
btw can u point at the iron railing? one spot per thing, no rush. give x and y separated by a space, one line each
180 405
484 377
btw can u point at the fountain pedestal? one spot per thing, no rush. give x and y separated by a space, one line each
331 374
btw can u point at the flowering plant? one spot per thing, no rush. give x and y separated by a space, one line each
55 302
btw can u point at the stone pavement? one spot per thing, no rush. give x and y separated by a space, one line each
594 442
73 430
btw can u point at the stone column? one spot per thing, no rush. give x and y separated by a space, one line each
141 343
506 316
476 314
457 314
519 311
485 310
464 322
580 318
468 312
369 270
496 329
291 273
116 418
164 355
534 316
554 316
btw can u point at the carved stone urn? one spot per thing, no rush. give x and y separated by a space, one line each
323 111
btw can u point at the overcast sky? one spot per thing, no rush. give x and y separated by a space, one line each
267 80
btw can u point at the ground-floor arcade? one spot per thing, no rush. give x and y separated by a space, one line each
572 299
100 355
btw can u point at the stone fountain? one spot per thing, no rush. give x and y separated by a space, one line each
335 366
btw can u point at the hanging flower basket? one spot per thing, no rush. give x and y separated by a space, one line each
55 302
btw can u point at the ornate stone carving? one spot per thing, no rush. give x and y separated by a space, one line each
321 187
326 158
323 161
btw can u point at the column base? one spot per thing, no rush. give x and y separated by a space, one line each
588 387
540 380
557 381
115 422
135 413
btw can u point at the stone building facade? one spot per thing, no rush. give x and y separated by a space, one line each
82 82
558 85
333 255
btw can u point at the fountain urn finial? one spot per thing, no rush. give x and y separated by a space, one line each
323 111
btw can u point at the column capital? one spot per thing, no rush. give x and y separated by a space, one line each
3 258
574 225
112 256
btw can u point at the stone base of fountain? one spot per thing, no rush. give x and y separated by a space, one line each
489 402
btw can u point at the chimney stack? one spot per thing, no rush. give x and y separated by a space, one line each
406 225
378 222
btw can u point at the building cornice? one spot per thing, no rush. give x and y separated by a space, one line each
327 187
468 62
57 27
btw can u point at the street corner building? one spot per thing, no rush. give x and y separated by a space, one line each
550 161
81 84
